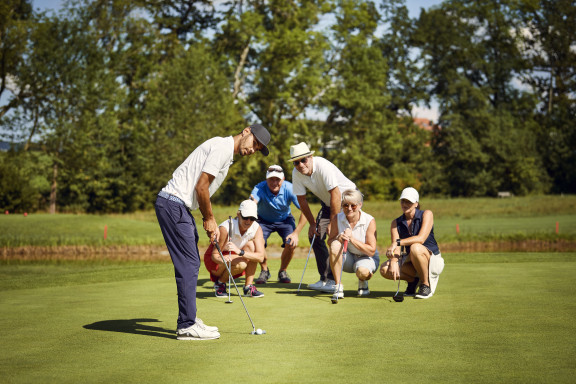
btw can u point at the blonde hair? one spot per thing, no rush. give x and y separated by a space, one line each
352 196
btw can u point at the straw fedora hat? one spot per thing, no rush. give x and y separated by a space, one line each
299 151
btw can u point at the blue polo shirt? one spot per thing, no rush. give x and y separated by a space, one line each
274 208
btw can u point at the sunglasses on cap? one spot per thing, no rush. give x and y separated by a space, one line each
248 218
303 161
275 169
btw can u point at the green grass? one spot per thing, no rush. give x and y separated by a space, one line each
482 219
504 318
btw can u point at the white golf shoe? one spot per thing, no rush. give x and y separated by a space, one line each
208 327
196 331
329 286
317 286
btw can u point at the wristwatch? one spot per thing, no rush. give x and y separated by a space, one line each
241 253
398 242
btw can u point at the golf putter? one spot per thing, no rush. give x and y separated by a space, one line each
310 250
254 330
341 269
229 255
399 297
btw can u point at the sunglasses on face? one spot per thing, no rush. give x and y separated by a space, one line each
303 161
351 206
248 218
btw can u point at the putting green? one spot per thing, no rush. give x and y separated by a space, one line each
494 318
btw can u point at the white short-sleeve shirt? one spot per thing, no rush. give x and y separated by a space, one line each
325 177
237 238
358 232
214 157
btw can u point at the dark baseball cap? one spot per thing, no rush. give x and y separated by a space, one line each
262 135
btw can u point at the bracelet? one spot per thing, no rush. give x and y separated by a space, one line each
241 253
398 242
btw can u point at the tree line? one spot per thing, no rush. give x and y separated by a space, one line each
104 99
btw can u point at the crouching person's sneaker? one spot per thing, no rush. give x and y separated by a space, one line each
283 277
220 289
338 292
196 331
251 291
263 278
424 292
411 289
363 288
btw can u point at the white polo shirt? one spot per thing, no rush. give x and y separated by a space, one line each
325 177
214 157
358 232
236 237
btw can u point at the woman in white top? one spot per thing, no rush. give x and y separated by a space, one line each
359 229
244 251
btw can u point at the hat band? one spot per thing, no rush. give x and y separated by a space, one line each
301 156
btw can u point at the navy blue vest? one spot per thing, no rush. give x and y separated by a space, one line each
429 243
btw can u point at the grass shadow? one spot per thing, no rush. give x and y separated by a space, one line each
133 326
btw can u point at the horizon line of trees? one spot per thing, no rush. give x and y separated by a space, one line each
108 97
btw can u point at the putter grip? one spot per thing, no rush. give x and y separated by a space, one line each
345 246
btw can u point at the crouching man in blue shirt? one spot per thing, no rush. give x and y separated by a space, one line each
273 197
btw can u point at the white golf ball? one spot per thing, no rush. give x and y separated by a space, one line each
258 331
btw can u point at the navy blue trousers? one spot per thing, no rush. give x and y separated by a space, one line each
181 237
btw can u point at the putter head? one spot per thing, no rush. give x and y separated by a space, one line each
399 297
258 332
334 301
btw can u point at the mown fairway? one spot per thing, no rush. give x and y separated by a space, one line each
504 318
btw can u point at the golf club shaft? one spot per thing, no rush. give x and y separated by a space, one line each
235 286
400 268
229 255
341 267
310 250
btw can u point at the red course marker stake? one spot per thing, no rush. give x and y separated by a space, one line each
556 227
105 232
457 229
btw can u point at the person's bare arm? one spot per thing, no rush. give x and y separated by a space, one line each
208 220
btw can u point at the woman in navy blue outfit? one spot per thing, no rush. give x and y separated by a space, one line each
423 263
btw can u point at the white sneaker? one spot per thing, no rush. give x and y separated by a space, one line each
208 327
435 268
329 286
317 285
338 291
196 331
363 288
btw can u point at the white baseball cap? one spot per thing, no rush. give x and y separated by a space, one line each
410 194
275 171
248 208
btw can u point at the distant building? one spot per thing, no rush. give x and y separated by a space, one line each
423 123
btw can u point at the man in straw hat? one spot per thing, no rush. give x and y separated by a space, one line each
191 186
327 183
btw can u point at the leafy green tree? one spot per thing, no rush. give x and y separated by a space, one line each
486 135
549 39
